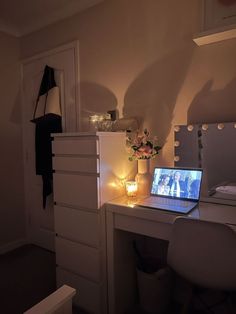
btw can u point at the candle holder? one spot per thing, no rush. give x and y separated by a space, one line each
131 188
100 122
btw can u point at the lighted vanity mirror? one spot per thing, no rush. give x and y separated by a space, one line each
213 148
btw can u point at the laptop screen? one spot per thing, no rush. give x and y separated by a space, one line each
179 183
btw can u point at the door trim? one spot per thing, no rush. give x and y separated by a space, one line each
72 45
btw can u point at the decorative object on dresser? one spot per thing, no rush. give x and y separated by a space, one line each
90 169
142 148
100 122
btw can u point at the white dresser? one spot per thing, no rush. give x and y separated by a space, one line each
89 169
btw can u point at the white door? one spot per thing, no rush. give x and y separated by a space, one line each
64 60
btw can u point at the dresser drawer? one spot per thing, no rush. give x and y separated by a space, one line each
77 225
74 189
88 294
80 146
80 259
77 164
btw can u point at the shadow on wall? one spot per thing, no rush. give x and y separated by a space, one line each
95 99
152 96
213 106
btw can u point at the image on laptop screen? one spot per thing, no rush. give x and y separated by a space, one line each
177 183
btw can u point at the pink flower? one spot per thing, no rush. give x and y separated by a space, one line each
142 147
146 150
138 154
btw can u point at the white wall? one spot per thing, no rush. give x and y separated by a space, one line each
12 221
138 57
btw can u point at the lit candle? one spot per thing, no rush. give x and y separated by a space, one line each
131 188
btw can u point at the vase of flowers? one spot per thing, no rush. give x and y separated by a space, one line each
142 149
143 177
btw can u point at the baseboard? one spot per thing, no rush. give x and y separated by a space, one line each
12 245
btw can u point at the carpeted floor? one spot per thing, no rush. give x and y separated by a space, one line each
27 275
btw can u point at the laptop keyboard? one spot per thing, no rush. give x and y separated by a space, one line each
169 202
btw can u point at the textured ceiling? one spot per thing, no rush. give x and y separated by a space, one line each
21 17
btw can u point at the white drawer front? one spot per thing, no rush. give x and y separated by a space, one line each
74 189
75 146
79 258
87 292
80 164
77 225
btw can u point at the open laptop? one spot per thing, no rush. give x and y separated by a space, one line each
174 189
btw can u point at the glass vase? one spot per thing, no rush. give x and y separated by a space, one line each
143 177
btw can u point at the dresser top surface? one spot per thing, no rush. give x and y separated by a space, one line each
81 134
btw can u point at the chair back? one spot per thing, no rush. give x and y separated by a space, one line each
203 253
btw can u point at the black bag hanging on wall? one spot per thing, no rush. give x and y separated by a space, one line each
47 119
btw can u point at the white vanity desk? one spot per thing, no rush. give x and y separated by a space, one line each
122 215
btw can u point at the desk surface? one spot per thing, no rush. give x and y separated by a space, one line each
206 211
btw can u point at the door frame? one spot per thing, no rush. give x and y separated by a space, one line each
72 45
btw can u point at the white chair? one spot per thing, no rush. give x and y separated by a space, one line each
203 253
59 302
